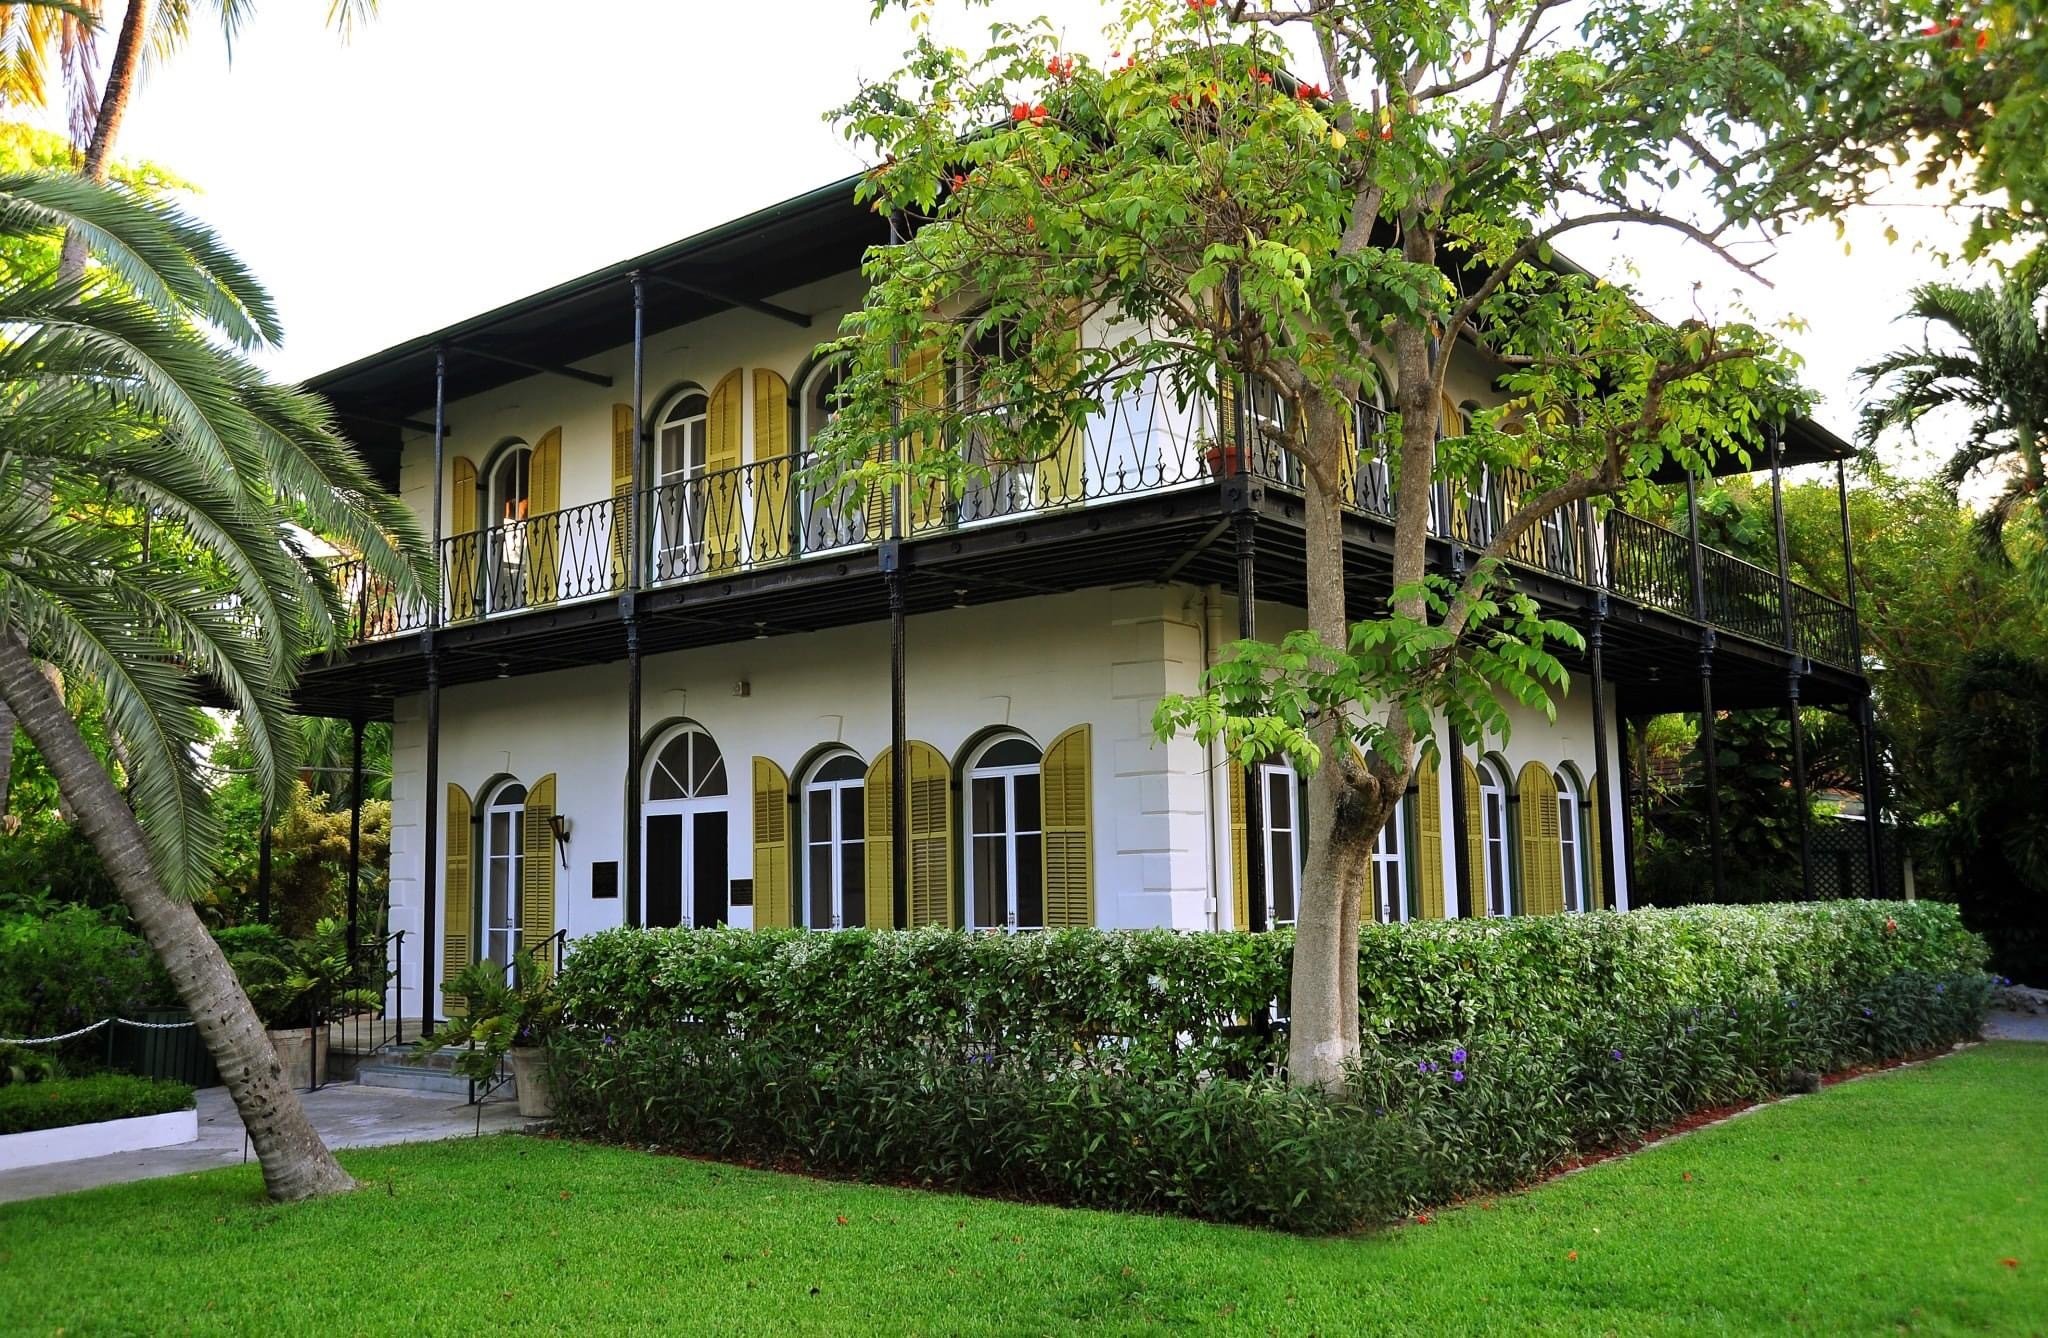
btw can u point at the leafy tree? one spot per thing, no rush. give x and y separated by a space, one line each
1191 213
136 388
1993 366
1992 757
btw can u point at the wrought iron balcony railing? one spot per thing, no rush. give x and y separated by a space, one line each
710 523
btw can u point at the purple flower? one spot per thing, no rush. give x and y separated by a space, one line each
1457 1075
1422 1066
1615 1054
1941 989
1868 1013
1458 1055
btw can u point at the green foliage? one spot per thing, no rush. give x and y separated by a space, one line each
496 1017
61 1102
296 983
1994 760
309 846
1112 1069
70 968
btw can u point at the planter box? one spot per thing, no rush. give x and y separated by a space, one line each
40 1147
302 1052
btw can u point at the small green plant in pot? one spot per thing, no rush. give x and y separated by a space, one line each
298 987
500 1020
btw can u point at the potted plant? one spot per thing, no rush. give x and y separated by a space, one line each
297 987
1223 459
501 1021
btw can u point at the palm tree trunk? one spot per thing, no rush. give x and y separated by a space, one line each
114 100
296 1164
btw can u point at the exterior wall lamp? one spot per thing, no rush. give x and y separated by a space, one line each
559 825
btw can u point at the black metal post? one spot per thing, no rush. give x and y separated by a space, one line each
1629 783
1604 837
1461 834
1713 763
1864 709
355 834
1873 795
1849 564
1798 722
632 891
899 738
637 503
430 853
632 894
263 873
1777 451
1246 528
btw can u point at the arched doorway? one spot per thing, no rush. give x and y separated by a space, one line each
686 822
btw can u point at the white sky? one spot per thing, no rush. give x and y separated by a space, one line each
461 153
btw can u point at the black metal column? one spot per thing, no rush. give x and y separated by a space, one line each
1873 796
1873 852
1629 781
1798 722
1708 750
1604 837
1461 833
355 834
1246 528
430 853
629 611
899 737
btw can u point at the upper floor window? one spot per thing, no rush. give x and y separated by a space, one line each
830 517
680 439
680 446
507 498
1005 856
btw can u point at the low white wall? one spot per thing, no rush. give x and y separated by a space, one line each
41 1147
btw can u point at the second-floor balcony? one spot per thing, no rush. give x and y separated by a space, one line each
714 523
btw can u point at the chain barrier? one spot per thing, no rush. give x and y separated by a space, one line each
88 1030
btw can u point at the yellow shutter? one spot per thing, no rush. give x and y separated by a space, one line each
1226 425
1347 456
1066 817
458 919
543 526
924 380
931 837
1542 849
771 845
772 467
1591 842
463 555
722 514
1240 876
880 845
537 877
1429 844
1475 841
622 492
1067 480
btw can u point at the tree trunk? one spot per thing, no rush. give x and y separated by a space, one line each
296 1164
1345 812
114 100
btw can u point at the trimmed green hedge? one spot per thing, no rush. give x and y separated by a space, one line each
61 1102
1113 1069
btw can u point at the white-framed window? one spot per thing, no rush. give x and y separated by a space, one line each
503 870
1005 869
679 452
831 519
685 832
1390 866
1571 842
506 499
1495 862
835 843
1375 478
1280 823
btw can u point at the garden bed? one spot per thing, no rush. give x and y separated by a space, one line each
66 1119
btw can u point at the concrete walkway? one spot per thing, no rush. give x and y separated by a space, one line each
346 1115
2016 1027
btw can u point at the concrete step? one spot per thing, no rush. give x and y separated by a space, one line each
434 1074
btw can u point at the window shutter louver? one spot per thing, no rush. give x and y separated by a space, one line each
879 847
1596 876
1240 875
1475 838
544 528
1542 849
772 466
719 489
1066 818
537 878
1429 843
931 837
458 918
924 379
462 555
1347 459
622 492
771 845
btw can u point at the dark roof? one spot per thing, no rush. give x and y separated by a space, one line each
747 260
799 241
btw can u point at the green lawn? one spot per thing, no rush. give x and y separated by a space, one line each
1887 1204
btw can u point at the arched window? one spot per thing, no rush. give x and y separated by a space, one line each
1005 873
835 849
1571 841
685 827
506 498
1390 866
1280 818
830 518
679 445
1495 863
503 870
1375 472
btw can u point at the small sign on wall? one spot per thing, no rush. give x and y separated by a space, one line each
742 891
604 880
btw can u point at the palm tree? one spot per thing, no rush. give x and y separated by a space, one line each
129 385
1998 376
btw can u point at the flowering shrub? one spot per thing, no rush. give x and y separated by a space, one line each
1116 1069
